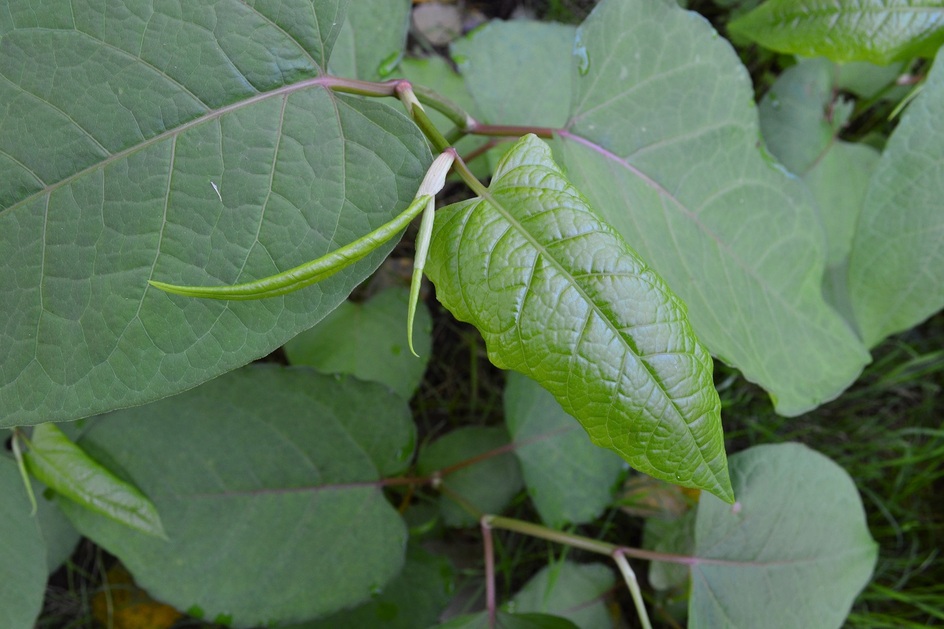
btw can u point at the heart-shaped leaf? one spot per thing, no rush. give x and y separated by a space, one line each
192 144
896 268
266 482
559 296
795 547
663 140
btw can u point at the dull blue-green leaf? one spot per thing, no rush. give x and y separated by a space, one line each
267 484
795 546
192 146
662 139
65 468
879 31
559 296
22 553
368 340
896 267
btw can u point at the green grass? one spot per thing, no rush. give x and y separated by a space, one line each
887 433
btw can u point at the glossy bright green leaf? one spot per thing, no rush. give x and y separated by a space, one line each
22 553
569 590
368 340
519 60
488 482
663 141
265 480
569 479
372 40
414 598
65 468
192 144
559 296
795 547
896 269
504 620
879 31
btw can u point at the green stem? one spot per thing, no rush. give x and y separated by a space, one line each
477 128
630 578
617 553
443 105
461 169
413 106
551 535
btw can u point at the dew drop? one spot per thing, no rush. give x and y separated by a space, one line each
583 60
583 57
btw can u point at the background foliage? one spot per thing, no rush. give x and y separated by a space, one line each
336 484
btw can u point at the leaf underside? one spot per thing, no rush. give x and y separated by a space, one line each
796 546
265 479
194 145
560 297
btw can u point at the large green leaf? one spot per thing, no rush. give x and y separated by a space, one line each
559 296
572 591
795 547
519 61
372 39
570 480
663 140
879 31
194 144
896 268
369 341
800 120
265 480
22 553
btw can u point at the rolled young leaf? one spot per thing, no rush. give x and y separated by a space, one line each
66 469
310 272
559 296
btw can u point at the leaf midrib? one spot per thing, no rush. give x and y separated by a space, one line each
489 197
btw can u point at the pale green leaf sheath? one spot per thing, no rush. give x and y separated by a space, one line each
559 296
66 469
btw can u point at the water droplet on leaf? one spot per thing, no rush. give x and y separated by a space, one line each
583 60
